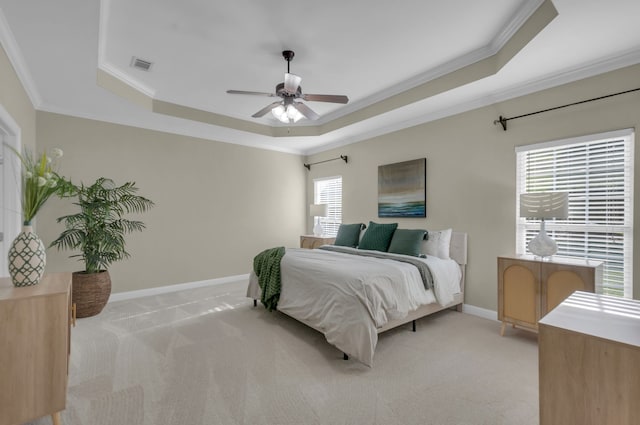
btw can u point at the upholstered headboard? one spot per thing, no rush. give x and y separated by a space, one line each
458 252
458 249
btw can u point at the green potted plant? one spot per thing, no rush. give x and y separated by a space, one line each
98 231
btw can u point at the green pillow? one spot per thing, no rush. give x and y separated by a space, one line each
349 234
378 236
407 241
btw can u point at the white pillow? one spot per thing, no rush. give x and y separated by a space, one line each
438 243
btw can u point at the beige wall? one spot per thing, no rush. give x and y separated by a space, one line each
471 167
217 204
14 99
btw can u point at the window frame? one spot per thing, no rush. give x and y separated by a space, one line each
332 222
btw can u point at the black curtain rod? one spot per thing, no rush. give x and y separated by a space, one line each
342 157
503 120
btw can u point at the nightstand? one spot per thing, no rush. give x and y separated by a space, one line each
311 242
35 338
529 288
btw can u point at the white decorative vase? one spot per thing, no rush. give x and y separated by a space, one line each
27 258
542 245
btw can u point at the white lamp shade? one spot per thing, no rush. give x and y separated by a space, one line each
318 210
544 205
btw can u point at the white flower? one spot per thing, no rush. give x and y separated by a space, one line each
28 174
53 183
48 160
41 181
56 153
47 175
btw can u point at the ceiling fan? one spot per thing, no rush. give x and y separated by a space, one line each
289 109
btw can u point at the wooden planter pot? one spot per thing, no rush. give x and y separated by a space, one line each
91 292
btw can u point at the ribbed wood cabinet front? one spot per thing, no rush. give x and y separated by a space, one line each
529 288
34 348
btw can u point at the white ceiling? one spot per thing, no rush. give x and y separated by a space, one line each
199 49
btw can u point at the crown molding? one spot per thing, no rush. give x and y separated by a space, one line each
102 30
8 42
514 24
203 131
401 125
612 63
116 73
430 75
590 69
518 19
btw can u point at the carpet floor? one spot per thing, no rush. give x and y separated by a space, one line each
207 356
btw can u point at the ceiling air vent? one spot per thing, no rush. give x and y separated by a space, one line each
140 64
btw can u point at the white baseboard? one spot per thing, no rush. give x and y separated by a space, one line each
129 295
480 312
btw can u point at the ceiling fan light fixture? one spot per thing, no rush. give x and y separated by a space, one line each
280 113
287 115
293 114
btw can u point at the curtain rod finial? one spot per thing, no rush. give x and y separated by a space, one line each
503 121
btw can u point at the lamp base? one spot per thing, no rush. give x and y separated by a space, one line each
318 230
542 245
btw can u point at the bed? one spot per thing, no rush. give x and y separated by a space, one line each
352 298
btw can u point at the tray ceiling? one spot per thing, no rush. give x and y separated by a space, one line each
400 63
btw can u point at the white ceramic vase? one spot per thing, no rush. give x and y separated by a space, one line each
27 258
542 245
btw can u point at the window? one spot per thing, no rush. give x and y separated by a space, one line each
329 191
597 172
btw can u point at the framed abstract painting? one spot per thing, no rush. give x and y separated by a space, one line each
402 189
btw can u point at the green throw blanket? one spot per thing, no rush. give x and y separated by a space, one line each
266 266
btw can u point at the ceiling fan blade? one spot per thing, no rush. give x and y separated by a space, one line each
306 111
255 93
291 83
333 98
266 110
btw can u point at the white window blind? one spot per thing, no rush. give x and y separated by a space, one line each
329 191
597 173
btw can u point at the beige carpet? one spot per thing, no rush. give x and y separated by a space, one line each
206 356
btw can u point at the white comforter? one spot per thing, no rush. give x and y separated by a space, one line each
348 297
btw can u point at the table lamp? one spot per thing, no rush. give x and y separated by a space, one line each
544 205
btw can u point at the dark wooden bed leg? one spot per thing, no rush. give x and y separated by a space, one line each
255 303
459 308
413 325
345 356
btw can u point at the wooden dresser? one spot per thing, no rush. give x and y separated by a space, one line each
34 348
589 362
529 288
311 242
